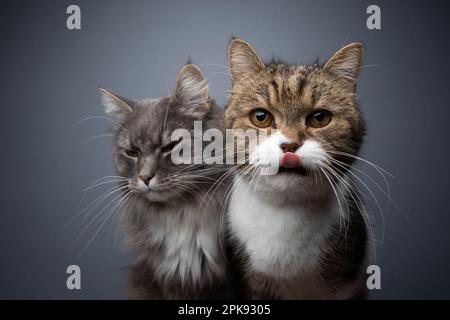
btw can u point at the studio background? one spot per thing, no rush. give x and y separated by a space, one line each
49 78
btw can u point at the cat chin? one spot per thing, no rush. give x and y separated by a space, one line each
163 198
291 187
155 196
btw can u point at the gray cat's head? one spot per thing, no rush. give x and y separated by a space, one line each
142 148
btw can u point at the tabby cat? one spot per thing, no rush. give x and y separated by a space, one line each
301 233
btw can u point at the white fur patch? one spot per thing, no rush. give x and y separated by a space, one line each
282 241
188 239
312 154
269 152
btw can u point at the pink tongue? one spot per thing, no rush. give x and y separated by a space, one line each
290 160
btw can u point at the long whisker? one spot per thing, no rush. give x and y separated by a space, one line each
377 204
377 167
103 183
115 208
354 192
92 118
387 192
94 204
94 219
336 194
93 138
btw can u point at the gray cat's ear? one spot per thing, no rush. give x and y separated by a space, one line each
191 92
114 104
347 62
242 59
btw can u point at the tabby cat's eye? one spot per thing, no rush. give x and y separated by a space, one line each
319 118
132 153
261 118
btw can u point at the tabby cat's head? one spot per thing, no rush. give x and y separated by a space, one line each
309 113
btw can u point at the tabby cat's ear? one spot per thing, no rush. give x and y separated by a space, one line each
191 92
114 104
242 59
346 63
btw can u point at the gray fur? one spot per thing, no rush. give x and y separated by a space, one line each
176 236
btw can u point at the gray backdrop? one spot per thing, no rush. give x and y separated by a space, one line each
49 78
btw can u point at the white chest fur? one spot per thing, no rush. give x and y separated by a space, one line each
281 240
188 238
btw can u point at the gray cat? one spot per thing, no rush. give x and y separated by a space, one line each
176 235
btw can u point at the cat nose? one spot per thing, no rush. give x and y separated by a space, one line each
145 179
289 147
